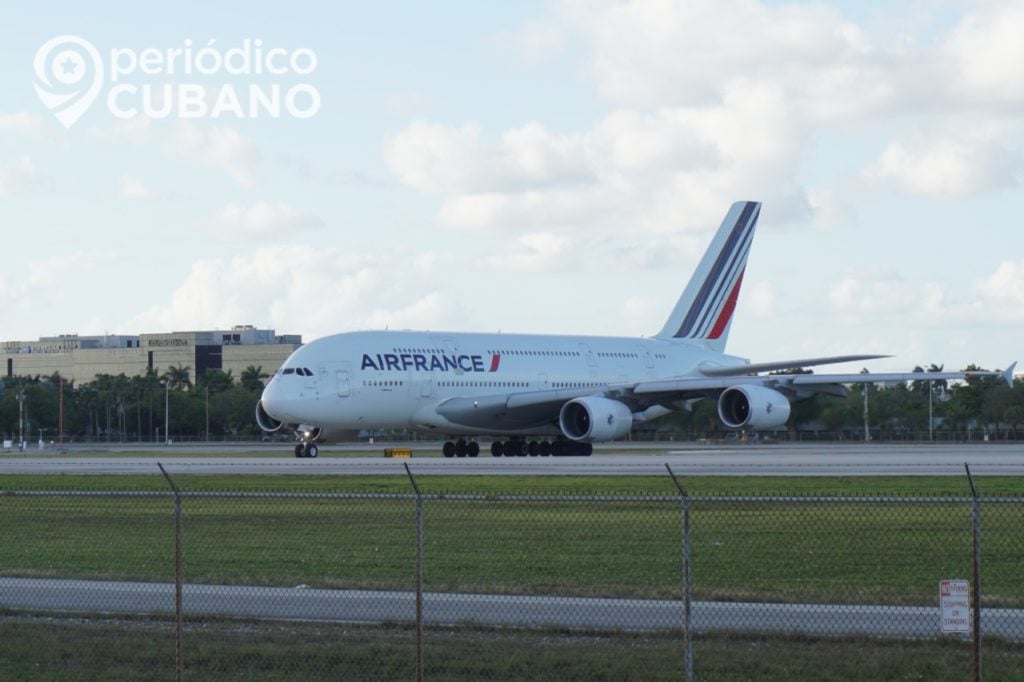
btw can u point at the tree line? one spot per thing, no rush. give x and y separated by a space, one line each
119 408
978 407
219 406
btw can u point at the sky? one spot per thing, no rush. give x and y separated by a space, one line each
550 167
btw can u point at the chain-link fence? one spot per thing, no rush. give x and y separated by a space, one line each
284 585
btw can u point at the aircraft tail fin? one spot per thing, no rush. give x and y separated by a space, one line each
703 313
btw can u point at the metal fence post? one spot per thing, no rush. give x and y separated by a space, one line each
419 575
976 587
178 616
687 584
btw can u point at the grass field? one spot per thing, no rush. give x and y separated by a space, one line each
626 541
842 551
104 649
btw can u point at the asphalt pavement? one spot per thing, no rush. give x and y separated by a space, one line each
572 613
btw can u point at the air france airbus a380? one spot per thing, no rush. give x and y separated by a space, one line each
548 394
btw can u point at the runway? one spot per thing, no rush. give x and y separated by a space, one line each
565 613
985 459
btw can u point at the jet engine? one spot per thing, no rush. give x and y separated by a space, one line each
595 419
319 434
752 407
265 421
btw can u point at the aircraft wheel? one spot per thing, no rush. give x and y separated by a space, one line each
545 449
460 448
299 450
312 450
448 449
533 449
497 448
472 448
521 448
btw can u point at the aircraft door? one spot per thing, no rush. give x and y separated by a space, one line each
588 354
343 380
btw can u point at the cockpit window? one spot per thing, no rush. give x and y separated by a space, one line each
290 370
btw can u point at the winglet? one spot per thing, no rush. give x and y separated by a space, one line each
704 311
1008 374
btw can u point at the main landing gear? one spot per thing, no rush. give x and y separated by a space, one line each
558 448
306 450
519 448
461 448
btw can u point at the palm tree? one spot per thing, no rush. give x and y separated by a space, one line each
215 381
252 378
178 377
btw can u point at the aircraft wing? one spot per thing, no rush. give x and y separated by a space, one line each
792 383
529 409
511 410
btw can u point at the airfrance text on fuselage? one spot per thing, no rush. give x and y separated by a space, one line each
429 363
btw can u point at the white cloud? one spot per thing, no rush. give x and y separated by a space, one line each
536 252
674 169
220 146
261 219
217 146
434 158
758 299
886 299
874 293
135 189
970 160
21 177
42 283
138 130
56 269
642 315
1002 292
27 125
748 88
986 54
664 53
301 288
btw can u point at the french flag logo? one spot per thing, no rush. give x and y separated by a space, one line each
495 361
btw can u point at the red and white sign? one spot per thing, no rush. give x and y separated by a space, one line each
955 605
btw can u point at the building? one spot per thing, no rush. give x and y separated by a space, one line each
82 358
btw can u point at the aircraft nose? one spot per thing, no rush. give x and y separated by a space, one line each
271 414
273 400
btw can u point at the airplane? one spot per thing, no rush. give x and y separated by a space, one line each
567 391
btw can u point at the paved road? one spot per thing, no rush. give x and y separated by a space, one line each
369 606
611 460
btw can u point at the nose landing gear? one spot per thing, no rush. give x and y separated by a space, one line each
306 450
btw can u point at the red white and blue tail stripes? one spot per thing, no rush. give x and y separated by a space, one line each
704 311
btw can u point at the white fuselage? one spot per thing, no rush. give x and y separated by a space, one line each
385 380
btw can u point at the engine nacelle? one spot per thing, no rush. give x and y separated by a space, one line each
595 419
265 421
752 407
318 434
